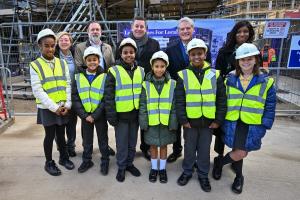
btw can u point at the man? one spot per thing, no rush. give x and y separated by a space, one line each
107 58
179 60
146 47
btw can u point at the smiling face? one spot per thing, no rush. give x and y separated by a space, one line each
185 31
128 54
242 35
92 62
247 64
159 68
94 32
64 42
197 57
138 28
47 47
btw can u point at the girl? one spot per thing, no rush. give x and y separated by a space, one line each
122 95
157 115
251 110
50 82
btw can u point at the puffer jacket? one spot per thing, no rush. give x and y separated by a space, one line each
76 101
256 132
157 135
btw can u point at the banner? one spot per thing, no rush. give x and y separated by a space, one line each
294 56
276 29
212 31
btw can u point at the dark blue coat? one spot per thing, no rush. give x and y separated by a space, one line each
256 132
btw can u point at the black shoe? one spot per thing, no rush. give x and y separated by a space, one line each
111 151
68 164
120 175
183 179
205 185
52 168
195 165
217 169
147 155
104 168
173 157
85 166
133 170
72 153
163 178
153 175
237 185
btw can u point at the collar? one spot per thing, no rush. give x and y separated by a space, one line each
48 61
89 73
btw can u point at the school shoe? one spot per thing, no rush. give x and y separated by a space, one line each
120 175
111 151
133 170
217 169
173 157
153 175
51 168
68 164
85 166
72 152
104 168
237 185
183 179
163 178
205 185
147 155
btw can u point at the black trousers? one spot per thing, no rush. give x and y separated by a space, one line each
219 144
71 130
51 132
87 131
177 147
144 147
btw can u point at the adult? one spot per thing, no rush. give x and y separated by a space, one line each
242 32
179 60
107 58
64 50
146 47
268 55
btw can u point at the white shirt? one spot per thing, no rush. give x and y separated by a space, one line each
98 46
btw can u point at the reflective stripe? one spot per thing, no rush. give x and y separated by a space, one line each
94 101
85 89
235 96
87 100
162 111
126 98
233 108
96 90
40 68
56 78
263 87
254 98
162 100
193 91
118 78
129 86
55 89
63 68
198 104
172 88
253 110
185 80
103 84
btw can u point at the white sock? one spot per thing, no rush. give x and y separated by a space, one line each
154 164
162 164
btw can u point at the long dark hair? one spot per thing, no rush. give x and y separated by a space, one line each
231 38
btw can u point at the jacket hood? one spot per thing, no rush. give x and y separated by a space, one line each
232 78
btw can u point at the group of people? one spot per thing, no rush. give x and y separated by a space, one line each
157 92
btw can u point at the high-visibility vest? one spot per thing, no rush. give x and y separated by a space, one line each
159 105
127 93
90 94
200 98
249 106
54 81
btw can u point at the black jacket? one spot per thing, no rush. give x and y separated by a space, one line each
176 59
113 117
226 61
143 60
76 101
221 101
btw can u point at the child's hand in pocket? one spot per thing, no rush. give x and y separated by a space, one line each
187 125
214 125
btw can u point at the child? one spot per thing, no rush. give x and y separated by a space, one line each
122 94
87 96
201 107
251 110
157 115
50 82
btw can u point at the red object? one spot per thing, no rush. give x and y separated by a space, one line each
3 107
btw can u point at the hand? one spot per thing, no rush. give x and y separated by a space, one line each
214 125
64 111
187 125
89 119
58 111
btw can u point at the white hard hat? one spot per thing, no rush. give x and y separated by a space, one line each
246 50
196 43
44 33
91 51
160 55
128 41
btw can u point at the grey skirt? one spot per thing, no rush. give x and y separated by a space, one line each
48 118
241 134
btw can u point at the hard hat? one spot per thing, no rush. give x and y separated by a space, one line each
129 41
160 55
246 50
44 33
196 43
91 51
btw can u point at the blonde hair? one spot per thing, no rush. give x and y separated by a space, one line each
60 34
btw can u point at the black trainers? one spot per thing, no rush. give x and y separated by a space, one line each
51 168
104 168
163 178
68 164
183 179
120 175
237 185
217 168
85 166
205 185
153 175
111 151
133 170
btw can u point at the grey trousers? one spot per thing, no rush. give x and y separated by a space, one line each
126 138
197 147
